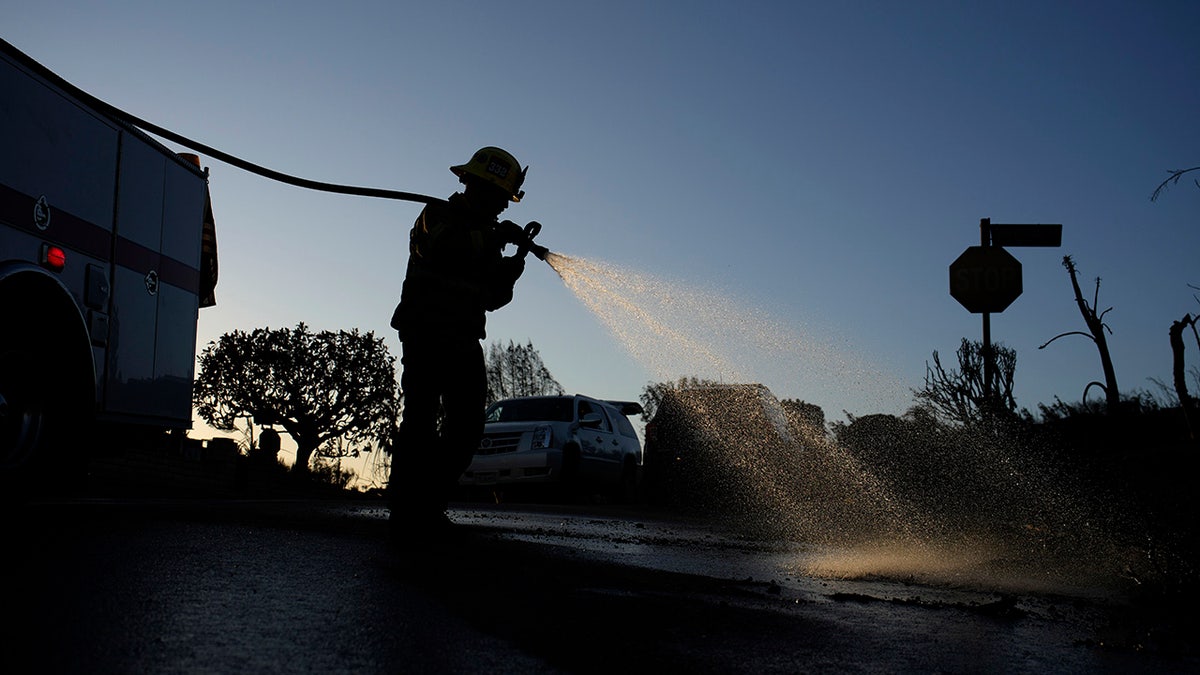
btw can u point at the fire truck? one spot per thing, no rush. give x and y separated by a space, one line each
106 254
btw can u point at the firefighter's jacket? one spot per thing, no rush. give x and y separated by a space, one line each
456 273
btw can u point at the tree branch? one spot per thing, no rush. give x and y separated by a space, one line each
1074 332
1176 174
1091 384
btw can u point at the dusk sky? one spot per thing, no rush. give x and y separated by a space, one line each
792 179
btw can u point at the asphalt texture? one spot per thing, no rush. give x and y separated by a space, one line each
317 586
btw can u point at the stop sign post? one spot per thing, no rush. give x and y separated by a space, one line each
987 279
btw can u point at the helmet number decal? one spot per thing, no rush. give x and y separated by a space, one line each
497 167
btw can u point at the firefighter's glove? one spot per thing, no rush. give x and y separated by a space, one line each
504 273
511 268
511 232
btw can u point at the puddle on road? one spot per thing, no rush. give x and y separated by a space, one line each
712 551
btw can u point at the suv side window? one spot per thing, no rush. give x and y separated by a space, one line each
586 407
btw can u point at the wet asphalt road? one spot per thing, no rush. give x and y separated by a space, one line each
225 586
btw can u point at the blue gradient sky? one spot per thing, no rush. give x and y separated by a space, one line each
820 163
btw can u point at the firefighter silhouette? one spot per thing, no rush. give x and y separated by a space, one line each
456 274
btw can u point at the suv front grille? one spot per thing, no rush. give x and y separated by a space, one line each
494 444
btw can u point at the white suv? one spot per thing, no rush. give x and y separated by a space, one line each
571 441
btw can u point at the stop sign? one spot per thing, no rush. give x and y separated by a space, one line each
985 279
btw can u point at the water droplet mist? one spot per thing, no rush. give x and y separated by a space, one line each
675 329
797 482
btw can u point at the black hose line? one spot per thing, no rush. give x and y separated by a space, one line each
122 116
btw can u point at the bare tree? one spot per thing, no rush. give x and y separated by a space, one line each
654 392
1096 327
517 370
1186 402
806 416
958 396
1176 174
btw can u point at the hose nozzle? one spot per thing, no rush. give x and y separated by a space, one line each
527 246
539 252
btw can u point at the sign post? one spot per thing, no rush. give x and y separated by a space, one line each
987 279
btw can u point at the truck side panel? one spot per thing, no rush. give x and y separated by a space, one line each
178 297
57 149
129 214
54 147
159 221
135 310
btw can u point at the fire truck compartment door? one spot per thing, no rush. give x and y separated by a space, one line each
160 208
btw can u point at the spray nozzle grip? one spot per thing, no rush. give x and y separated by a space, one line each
527 246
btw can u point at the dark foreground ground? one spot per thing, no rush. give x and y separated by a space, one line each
160 585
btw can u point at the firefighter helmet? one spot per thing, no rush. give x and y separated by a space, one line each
498 167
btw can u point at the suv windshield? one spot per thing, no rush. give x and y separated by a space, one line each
532 410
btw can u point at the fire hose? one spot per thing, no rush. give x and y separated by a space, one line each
525 240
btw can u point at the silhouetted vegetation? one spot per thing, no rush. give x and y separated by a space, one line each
517 370
334 393
958 396
1186 402
1176 175
1096 328
1076 486
1078 473
654 392
807 417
